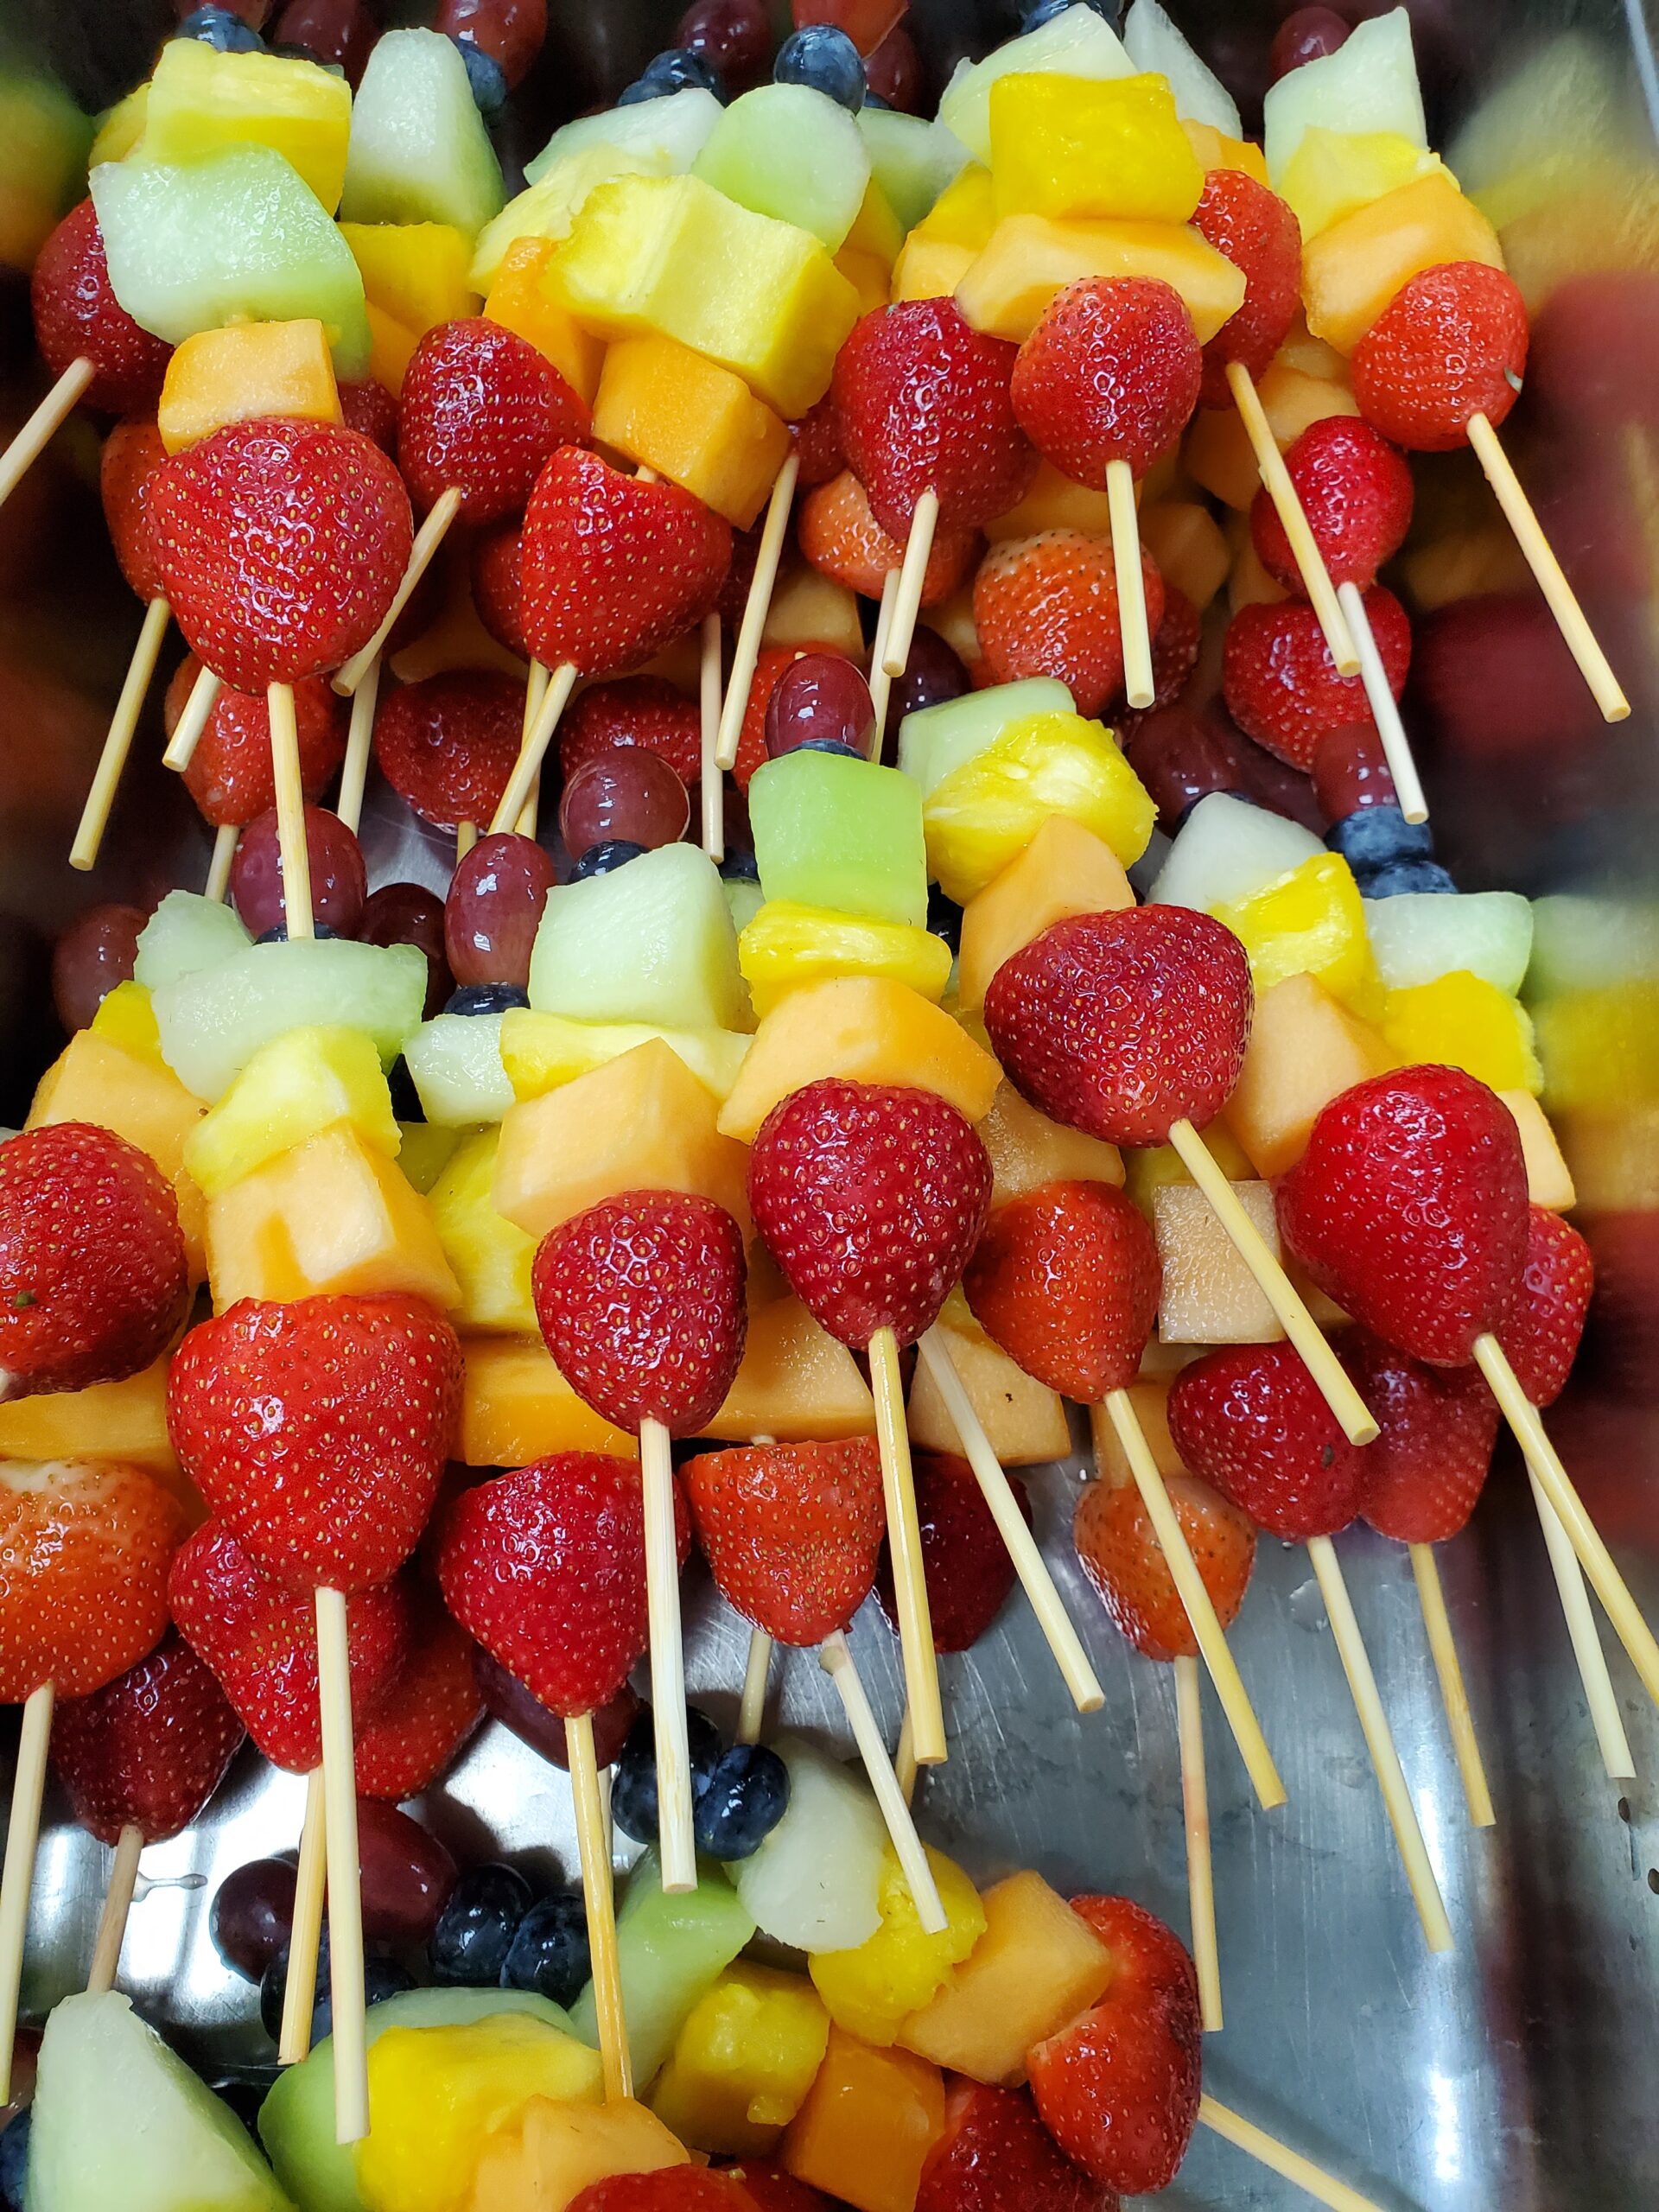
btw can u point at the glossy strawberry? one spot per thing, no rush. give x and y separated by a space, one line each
498 591
1149 1958
131 452
1281 685
1174 652
635 710
448 744
430 1709
769 2189
870 1198
1356 491
78 317
93 1279
370 409
791 1532
1409 1208
613 570
1450 345
1251 1419
1541 1335
1259 234
817 439
641 1300
260 1639
281 545
230 776
670 2189
149 1750
482 412
1066 1279
1121 1556
83 1553
838 533
1421 1476
319 1431
1047 605
996 2154
1110 372
1123 1024
965 1563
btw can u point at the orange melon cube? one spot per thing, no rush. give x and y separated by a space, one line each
1305 1050
1028 1150
111 1420
1065 869
1210 1296
520 300
1219 455
1249 583
516 1407
795 1383
1025 1421
247 369
1352 270
1054 502
692 421
1550 1179
391 348
1150 1399
545 2159
1186 541
1027 258
813 611
1215 151
869 2121
930 268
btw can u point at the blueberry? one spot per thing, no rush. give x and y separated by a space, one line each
223 29
405 1099
677 69
279 934
14 2161
548 1954
741 867
944 917
640 89
745 1798
825 59
382 1978
829 745
485 998
633 1786
475 1929
1404 876
1044 11
244 2089
600 859
1376 837
486 78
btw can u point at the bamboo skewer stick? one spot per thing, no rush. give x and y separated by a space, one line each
1385 712
359 742
1454 1695
904 1539
555 697
1195 1812
226 838
43 425
117 1903
290 813
912 582
117 744
751 1713
428 538
594 1844
835 1657
1138 681
667 1663
187 731
711 788
1279 2157
904 1760
22 1839
1600 1694
1276 477
305 1931
466 838
880 682
747 651
345 1890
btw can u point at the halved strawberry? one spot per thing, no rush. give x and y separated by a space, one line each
633 711
1121 1556
430 1710
497 588
1281 685
1110 372
1066 1279
132 452
791 1532
1047 605
149 1750
1258 233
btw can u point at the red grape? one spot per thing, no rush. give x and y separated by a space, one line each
933 673
894 72
866 22
340 33
630 793
252 1915
822 695
94 954
406 1874
1350 771
511 31
507 1700
495 905
338 885
1181 756
408 914
733 37
1307 35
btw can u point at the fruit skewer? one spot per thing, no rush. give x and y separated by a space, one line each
711 790
746 649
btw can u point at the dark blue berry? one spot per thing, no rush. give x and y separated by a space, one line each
486 78
740 867
829 745
485 998
14 2161
548 1954
600 859
1376 837
875 99
1406 875
382 1978
475 1929
631 95
1044 11
222 29
633 1785
677 69
944 917
405 1099
825 59
278 934
244 2089
746 1796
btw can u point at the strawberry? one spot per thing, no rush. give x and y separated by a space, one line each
838 533
1067 1279
149 1750
448 744
1409 1208
131 452
496 556
281 545
870 1198
996 2154
84 1553
1123 1024
1259 234
260 1641
1356 491
770 2189
1251 1419
1121 1556
78 317
1175 646
965 1562
613 570
318 1431
635 710
1450 345
482 412
670 2189
546 1568
93 1279
1541 1335
817 439
791 1532
230 776
370 409
739 579
922 403
1118 2089
1281 685
1423 1474
431 1710
1110 372
1047 605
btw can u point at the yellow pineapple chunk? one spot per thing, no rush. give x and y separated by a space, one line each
870 277
1465 1021
301 1082
1352 270
202 101
1083 147
391 348
786 945
1333 174
414 272
795 1383
542 1051
521 301
744 2061
126 1016
1028 258
1028 1150
1026 1423
693 422
544 212
490 1257
1065 869
1215 151
1310 921
516 1406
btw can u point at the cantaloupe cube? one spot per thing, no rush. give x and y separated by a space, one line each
203 102
1218 453
795 1383
1028 258
1215 151
1026 1423
555 2151
1028 1150
869 2121
1249 583
1550 1179
1210 1296
1084 149
520 300
414 272
113 1420
1150 1399
930 268
1352 269
1054 502
516 1407
813 611
863 1029
1305 1049
1065 869
691 421
391 348
1034 1969
642 1123
1185 539
870 277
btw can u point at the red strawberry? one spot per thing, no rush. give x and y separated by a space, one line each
448 744
78 317
922 403
965 1562
131 452
371 410
1452 344
613 570
1067 1280
319 1430
817 439
483 412
497 592
431 1710
1259 234
771 2190
230 776
1356 491
1123 1024
281 545
1281 685
546 1568
1121 1556
260 1641
1251 1419
93 1279
635 710
996 2154
791 1532
870 1198
1110 372
1047 605
670 2189
1118 2090
1174 649
84 1553
1409 1208
149 1750
1425 1471
838 533
1541 1335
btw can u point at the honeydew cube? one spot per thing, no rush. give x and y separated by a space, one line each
1305 1050
790 152
862 1029
1464 1021
1550 1179
795 1383
1210 1296
1065 869
420 152
671 254
811 610
815 1882
109 1421
556 2152
1154 43
1075 43
1025 1421
845 834
1369 84
455 1062
934 741
543 213
1218 454
670 132
231 376
743 2062
299 1084
542 1051
670 1949
126 1016
201 101
692 421
786 945
1054 502
651 942
1488 933
1311 922
1352 270
414 272
1078 148
1028 1150
490 1257
517 1407
1334 173
520 300
1149 1398
1227 850
1028 258
913 159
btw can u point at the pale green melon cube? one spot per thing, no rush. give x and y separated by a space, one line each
1227 850
1423 935
211 1023
911 159
815 1883
845 834
669 133
455 1061
788 151
934 742
1075 44
1158 46
420 152
1369 84
652 941
670 1949
185 934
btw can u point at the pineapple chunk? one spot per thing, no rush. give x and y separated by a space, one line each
693 422
111 1420
1026 1423
126 1016
391 348
414 272
517 1407
520 301
490 1257
787 945
1464 1021
1082 148
814 612
121 127
1215 149
1352 271
251 369
1333 174
1065 869
544 212
965 212
796 1382
1210 1296
1311 922
744 2061
299 1084
873 1988
870 277
876 230
1028 1150
201 101
542 1051
1028 258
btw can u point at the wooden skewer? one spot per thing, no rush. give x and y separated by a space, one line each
1197 1601
710 784
345 1890
1581 638
747 651
1336 1385
1385 711
880 682
43 425
428 538
555 697
226 838
1279 2157
295 852
1605 1715
1379 1741
23 1837
117 1903
305 1932
593 1842
912 582
1276 477
1138 681
535 692
1454 1695
835 1657
904 1760
466 838
526 825
359 743
905 1538
187 731
674 1835
1195 1810
117 743
751 1713
934 1351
